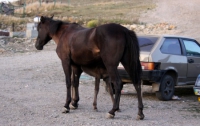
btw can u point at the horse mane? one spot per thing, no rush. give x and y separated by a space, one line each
54 26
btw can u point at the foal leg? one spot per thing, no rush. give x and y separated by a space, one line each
110 89
140 104
76 73
96 91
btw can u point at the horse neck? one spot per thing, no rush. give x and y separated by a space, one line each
57 35
64 28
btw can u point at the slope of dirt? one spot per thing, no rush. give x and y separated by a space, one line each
184 14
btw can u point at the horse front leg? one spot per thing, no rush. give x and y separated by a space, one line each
67 71
96 91
76 73
140 103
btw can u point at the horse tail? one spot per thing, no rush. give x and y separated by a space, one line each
133 50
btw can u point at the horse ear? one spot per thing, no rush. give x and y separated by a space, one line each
42 19
52 16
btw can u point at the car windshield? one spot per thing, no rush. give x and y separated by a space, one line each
146 42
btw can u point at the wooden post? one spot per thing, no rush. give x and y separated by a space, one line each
13 27
54 3
40 2
24 9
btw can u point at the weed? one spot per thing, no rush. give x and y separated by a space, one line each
92 23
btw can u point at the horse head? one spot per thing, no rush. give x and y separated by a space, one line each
43 33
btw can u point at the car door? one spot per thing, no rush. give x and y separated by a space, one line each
192 49
172 58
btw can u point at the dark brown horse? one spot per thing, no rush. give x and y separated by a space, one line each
102 47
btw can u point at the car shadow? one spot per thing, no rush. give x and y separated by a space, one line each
184 91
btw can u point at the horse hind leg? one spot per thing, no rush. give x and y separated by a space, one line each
110 90
125 62
114 78
140 104
116 81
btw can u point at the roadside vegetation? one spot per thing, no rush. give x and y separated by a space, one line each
83 11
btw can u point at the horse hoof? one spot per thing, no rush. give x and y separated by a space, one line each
109 116
72 107
119 110
65 110
96 110
140 117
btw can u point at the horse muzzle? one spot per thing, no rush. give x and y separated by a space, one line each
39 47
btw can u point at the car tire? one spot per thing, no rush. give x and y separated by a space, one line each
166 90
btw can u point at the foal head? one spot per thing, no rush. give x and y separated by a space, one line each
46 28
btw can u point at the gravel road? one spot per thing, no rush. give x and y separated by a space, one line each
33 92
32 88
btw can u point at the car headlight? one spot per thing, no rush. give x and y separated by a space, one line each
197 84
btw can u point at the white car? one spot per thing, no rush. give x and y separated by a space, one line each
197 87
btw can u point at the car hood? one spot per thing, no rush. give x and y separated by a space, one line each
144 56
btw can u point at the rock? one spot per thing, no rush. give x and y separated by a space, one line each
2 50
133 27
2 42
171 27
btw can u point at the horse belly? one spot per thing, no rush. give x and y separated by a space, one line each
85 58
98 71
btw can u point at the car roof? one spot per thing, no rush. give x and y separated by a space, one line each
165 35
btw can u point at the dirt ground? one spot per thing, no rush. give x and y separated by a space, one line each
33 91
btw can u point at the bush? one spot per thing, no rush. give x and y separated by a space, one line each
92 23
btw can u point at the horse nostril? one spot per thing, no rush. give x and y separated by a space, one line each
38 47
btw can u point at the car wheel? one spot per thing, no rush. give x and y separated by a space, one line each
166 90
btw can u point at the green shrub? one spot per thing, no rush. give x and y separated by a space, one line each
92 23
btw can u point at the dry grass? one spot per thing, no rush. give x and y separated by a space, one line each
8 20
82 11
43 9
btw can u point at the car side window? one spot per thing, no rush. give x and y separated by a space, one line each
192 48
171 46
146 43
